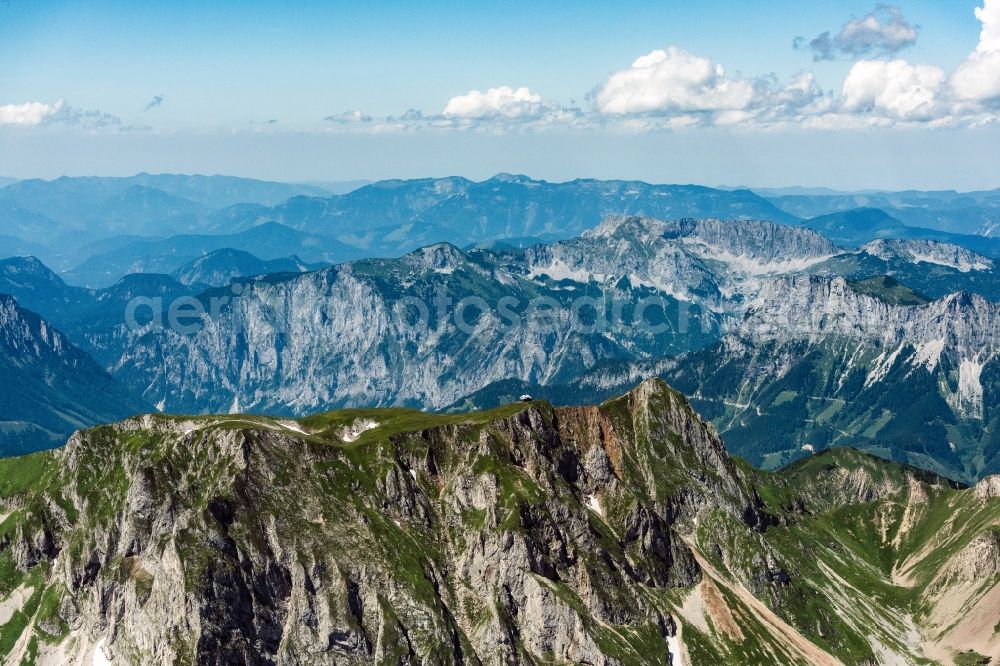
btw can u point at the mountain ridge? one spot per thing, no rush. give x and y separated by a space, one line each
52 387
614 534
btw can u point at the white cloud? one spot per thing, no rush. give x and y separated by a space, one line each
349 117
673 89
672 82
684 89
34 114
899 91
28 114
895 89
503 102
882 32
978 78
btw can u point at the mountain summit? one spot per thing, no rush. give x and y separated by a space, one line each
613 534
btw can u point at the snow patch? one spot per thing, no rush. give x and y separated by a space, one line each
667 288
750 266
560 270
929 252
809 447
962 263
293 426
352 432
595 505
674 647
100 658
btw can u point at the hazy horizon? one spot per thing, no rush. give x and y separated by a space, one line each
355 183
854 95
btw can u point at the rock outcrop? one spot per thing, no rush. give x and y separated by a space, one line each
606 535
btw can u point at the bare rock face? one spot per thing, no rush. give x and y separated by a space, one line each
614 534
988 488
384 332
928 252
245 540
956 338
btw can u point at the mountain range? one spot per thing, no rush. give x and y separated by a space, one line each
269 241
814 363
613 534
76 224
845 347
969 213
293 343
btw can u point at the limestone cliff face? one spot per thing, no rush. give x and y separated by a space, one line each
613 534
817 362
494 540
376 332
928 252
814 308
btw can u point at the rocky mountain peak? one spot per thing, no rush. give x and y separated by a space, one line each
760 241
25 334
31 268
638 226
440 257
606 534
512 178
930 252
744 242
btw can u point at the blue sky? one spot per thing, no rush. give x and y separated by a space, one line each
897 96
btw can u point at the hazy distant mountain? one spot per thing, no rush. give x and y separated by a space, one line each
12 246
392 217
143 204
267 241
794 190
857 226
973 213
5 181
145 211
219 268
65 198
337 186
26 224
51 387
222 191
